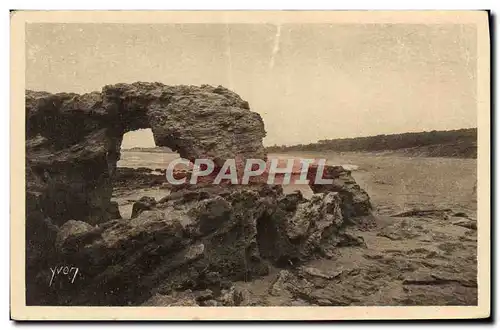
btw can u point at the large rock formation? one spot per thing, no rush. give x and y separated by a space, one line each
73 144
194 239
73 141
79 252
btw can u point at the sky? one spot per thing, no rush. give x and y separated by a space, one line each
309 82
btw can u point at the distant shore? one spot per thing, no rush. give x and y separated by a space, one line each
460 143
153 149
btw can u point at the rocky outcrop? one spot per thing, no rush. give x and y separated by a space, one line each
199 237
293 228
193 241
355 201
73 141
73 144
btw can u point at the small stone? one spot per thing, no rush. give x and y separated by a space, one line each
317 273
279 283
466 224
144 204
324 302
210 302
204 295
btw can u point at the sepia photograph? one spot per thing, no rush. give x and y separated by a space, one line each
172 163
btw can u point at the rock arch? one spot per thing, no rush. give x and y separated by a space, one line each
72 147
73 141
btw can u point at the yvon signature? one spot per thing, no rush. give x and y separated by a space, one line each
71 272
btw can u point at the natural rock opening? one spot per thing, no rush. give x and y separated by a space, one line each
73 141
135 140
140 173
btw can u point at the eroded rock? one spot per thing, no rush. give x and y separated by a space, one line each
355 201
73 141
199 237
198 244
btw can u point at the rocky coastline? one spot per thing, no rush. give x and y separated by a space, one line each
195 238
